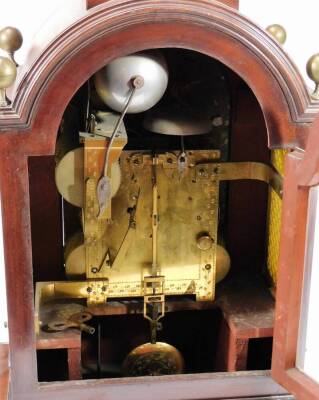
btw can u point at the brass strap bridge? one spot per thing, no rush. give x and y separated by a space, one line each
231 171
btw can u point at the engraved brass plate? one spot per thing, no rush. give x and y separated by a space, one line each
187 208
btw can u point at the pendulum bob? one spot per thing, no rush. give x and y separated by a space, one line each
153 359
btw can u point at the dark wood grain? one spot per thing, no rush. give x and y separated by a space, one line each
45 207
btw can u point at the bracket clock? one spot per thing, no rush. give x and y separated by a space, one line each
156 163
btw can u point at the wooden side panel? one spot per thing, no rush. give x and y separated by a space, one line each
301 172
247 206
46 229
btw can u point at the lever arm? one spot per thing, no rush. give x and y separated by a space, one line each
104 183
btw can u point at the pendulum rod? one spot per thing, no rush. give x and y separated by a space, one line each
154 218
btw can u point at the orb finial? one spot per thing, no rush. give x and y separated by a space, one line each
278 32
8 73
10 40
313 73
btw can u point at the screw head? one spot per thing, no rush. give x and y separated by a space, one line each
208 267
89 289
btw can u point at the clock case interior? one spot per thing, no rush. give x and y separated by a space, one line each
237 219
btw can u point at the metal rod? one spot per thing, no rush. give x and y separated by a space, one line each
182 145
104 183
87 123
137 83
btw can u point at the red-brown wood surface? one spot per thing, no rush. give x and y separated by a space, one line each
4 371
69 339
247 200
45 207
302 171
94 3
29 127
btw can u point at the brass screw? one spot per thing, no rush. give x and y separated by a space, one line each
313 73
10 40
278 32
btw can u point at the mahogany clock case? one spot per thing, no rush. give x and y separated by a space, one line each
281 115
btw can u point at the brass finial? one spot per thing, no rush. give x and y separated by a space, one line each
8 73
278 32
10 41
313 73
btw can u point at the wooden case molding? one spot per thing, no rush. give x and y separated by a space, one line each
30 125
94 3
301 173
